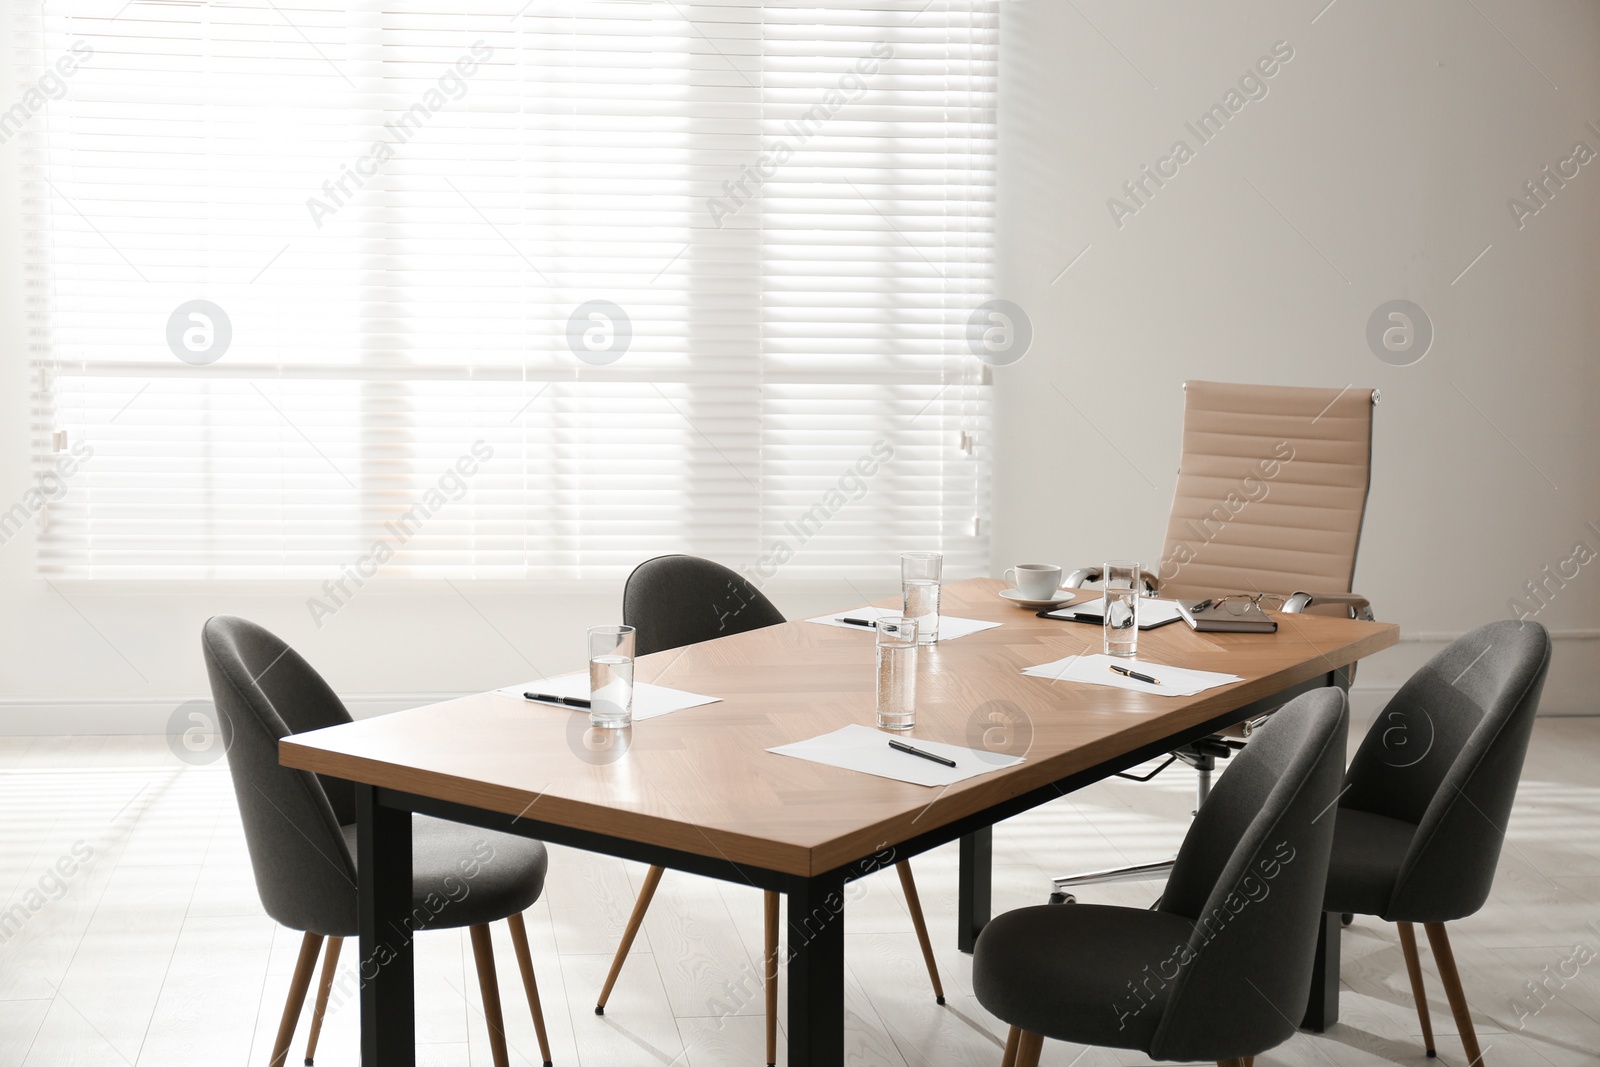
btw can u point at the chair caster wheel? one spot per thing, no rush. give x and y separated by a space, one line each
1347 918
1058 897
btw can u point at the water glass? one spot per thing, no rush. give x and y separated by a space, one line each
897 673
919 589
611 676
1123 580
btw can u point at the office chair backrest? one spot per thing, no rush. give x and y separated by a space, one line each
681 600
1446 754
264 691
1272 488
1251 875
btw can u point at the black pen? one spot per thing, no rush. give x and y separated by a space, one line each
901 746
1200 605
868 623
1135 675
547 698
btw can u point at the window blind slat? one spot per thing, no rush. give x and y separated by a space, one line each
400 208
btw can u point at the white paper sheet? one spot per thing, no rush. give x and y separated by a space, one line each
1152 612
649 700
950 626
1096 670
861 748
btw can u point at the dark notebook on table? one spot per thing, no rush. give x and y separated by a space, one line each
1230 617
1152 612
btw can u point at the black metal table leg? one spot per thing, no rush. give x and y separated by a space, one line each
388 985
1322 1006
972 909
816 970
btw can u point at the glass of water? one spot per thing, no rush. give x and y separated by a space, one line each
1122 586
611 676
919 589
897 673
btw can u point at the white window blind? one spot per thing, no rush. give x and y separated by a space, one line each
426 234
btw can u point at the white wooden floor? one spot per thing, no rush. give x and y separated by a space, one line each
156 951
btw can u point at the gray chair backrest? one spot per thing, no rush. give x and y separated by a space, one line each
674 601
1446 754
264 691
1251 875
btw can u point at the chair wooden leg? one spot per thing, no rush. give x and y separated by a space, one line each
915 905
1029 1046
652 879
1440 943
330 960
304 967
1419 993
519 941
489 985
1010 1058
770 903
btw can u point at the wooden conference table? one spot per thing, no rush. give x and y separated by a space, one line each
696 790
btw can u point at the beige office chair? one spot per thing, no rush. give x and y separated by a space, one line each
1272 489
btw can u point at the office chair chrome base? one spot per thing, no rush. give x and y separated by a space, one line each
1202 755
1135 873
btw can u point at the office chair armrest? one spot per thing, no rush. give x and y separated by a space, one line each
1077 579
1359 607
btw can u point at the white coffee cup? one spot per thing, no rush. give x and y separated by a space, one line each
1036 581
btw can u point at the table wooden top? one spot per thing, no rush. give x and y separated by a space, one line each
701 780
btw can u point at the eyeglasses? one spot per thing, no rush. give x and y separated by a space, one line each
1239 603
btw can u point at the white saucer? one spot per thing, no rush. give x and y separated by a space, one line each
1062 596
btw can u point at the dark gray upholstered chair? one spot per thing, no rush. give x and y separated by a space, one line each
672 601
1429 794
1221 968
300 830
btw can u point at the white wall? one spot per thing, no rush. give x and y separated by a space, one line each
1388 148
1391 141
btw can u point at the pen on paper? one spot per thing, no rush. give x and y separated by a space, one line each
548 698
901 746
1135 675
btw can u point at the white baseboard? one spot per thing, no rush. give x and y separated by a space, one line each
1574 678
158 715
25 718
